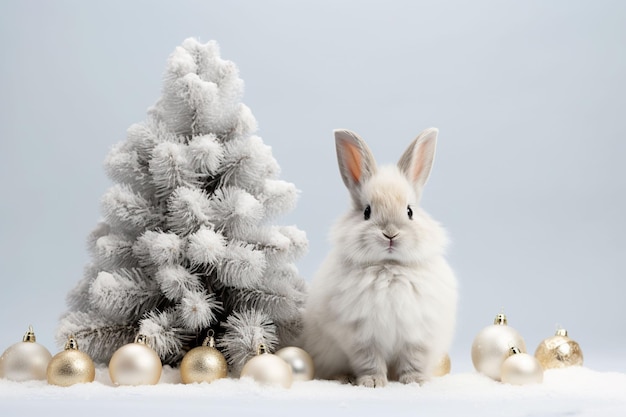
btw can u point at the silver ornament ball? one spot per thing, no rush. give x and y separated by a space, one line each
301 363
26 360
491 347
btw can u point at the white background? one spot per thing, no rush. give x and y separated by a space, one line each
529 97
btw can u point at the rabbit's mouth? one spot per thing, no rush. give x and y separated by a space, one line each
391 254
392 247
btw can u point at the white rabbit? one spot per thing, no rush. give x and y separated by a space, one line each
383 304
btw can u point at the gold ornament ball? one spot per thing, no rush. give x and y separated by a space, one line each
521 368
443 366
491 347
203 364
268 369
135 364
559 351
71 366
25 360
301 363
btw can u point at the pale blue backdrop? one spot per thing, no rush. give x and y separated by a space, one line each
529 97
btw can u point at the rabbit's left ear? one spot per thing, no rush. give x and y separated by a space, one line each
417 160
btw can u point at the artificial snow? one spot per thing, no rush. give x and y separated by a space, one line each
575 391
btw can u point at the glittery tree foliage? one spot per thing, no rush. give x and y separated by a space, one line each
186 242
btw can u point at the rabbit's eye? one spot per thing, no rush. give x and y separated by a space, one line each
409 211
367 212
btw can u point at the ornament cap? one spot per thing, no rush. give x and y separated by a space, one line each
262 349
209 340
561 332
142 339
29 336
71 343
500 319
514 350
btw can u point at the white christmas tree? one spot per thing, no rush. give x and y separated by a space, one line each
186 245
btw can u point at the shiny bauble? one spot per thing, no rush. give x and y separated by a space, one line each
203 364
443 366
71 366
301 363
25 360
521 368
268 369
135 364
559 351
491 347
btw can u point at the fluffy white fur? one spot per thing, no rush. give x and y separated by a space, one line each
383 304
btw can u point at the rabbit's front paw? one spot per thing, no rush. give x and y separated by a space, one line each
412 377
372 381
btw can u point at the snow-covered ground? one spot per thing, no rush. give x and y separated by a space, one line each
564 392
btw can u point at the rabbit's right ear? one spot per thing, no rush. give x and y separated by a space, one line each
356 162
417 160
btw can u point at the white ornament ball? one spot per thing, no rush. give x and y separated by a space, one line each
301 363
443 366
135 364
26 360
491 347
521 369
268 369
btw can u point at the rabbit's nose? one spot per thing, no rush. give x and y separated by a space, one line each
390 236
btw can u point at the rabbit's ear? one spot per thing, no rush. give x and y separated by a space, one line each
417 160
356 162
